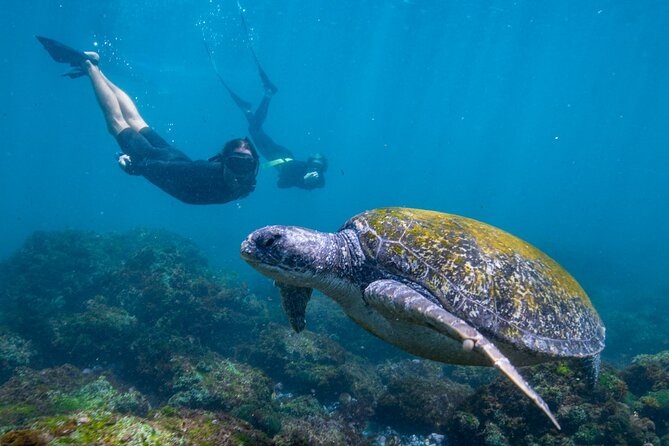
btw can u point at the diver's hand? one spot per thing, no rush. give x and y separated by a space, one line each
311 177
125 162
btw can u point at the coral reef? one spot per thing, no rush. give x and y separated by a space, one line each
14 352
318 431
472 376
217 383
106 428
603 414
648 378
69 293
648 373
143 304
312 363
75 407
64 389
417 396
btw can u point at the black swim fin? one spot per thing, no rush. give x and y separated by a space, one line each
268 86
64 54
241 103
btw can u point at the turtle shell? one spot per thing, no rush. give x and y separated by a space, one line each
500 284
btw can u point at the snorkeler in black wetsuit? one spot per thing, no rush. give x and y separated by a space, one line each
227 176
292 173
307 174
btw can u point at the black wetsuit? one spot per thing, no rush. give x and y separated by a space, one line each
291 172
193 182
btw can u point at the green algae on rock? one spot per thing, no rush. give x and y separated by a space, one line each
112 429
312 362
605 414
15 351
34 393
417 397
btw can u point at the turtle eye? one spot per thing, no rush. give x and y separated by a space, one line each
269 241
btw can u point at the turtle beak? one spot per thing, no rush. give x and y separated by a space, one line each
287 253
257 248
247 250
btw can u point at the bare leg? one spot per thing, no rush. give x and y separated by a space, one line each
119 111
128 108
107 99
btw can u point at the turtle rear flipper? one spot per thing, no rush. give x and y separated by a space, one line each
396 300
294 300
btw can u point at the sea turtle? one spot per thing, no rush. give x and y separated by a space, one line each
439 286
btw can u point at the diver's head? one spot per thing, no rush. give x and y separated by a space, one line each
317 162
240 163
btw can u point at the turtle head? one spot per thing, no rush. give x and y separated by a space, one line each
289 254
299 260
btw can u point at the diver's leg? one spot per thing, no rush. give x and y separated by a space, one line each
124 122
243 105
107 99
157 148
261 112
128 107
264 143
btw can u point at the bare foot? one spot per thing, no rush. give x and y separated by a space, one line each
93 57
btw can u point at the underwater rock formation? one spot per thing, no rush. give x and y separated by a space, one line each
111 429
14 352
316 431
417 397
648 378
71 295
312 363
30 393
603 414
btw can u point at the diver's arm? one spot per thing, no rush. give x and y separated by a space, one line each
298 174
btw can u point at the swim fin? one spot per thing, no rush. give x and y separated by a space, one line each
268 86
241 103
64 54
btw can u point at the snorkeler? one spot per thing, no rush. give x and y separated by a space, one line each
227 176
307 174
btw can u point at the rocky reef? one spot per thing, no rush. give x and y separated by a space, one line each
133 339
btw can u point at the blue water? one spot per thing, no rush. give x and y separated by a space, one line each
547 119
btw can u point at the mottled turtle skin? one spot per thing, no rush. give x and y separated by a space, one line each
500 284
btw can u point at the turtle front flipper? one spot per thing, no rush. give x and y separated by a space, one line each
395 300
294 300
